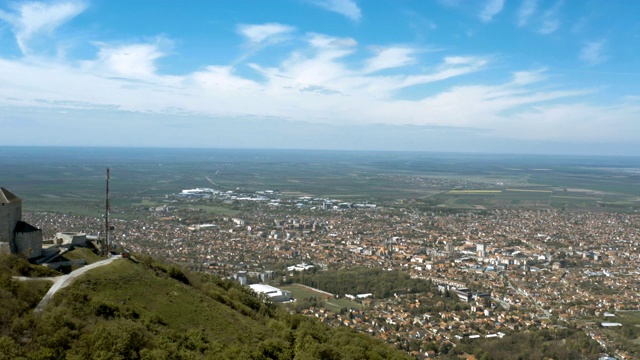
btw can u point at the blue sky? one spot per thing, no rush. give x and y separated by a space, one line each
506 76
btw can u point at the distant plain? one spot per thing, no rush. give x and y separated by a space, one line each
72 180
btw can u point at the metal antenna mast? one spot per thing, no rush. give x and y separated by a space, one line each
107 244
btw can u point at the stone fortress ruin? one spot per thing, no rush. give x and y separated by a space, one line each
17 236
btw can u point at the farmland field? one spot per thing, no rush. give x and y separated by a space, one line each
72 180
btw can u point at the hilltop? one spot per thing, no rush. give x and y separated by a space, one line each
143 309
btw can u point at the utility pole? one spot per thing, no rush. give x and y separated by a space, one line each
107 241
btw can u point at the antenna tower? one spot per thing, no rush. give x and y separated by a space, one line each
107 241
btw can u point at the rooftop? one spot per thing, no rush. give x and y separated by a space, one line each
7 197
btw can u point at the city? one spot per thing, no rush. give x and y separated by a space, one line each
497 271
320 179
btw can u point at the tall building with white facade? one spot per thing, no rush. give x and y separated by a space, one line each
481 250
450 248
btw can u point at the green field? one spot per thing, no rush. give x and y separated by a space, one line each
333 304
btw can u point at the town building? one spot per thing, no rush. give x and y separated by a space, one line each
272 293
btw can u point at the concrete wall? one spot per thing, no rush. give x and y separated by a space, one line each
74 238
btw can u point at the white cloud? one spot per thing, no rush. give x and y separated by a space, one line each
319 88
270 32
459 60
491 9
222 77
34 18
593 52
326 68
323 82
318 83
390 58
527 9
480 105
133 61
324 41
347 8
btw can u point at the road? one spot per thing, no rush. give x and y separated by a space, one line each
211 181
60 282
547 314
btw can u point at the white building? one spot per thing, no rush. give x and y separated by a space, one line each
272 293
73 238
299 267
481 250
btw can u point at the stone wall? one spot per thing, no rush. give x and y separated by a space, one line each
10 214
29 243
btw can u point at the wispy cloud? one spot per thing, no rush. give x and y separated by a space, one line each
348 8
593 52
325 80
222 77
528 77
491 9
259 34
318 82
542 21
390 58
324 66
550 21
34 18
318 85
527 9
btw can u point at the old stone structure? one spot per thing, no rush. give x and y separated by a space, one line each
16 236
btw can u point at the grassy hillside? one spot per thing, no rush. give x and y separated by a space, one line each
148 310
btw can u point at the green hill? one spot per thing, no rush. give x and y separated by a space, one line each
147 310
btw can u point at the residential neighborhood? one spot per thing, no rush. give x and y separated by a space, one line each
507 270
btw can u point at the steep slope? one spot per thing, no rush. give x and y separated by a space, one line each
147 310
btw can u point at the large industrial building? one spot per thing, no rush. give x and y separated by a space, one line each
272 293
16 236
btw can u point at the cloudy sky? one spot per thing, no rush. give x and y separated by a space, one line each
507 76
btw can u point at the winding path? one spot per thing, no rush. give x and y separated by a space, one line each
60 282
